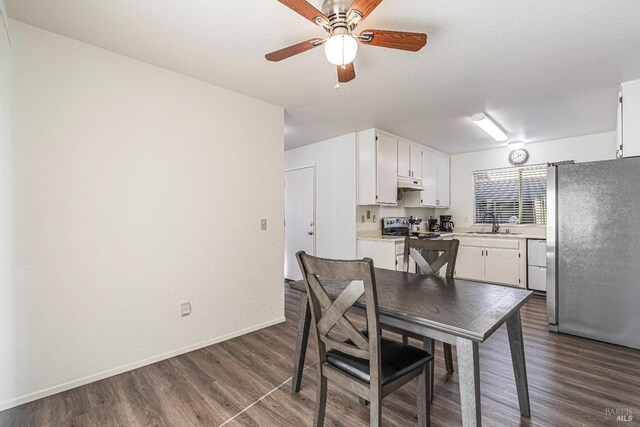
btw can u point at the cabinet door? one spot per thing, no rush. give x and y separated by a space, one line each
502 266
399 262
429 196
404 158
416 161
470 263
387 168
443 181
382 253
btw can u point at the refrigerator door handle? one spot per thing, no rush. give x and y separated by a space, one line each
552 240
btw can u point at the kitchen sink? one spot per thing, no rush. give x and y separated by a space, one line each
498 233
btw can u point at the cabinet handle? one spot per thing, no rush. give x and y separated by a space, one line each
487 252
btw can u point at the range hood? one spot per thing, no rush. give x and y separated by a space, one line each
410 184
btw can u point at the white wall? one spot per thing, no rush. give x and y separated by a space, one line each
581 149
335 161
118 178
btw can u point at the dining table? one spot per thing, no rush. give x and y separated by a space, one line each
459 312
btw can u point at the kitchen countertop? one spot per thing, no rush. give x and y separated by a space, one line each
379 237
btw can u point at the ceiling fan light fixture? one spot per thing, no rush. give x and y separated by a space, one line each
341 49
485 123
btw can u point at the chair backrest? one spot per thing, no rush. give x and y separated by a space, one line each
359 278
449 249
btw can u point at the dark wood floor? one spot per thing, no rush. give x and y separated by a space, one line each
572 381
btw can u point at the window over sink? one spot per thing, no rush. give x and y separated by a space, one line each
513 195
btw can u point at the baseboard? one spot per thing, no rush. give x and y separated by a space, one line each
130 366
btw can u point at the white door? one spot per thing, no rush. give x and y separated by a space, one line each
387 170
299 218
404 158
502 266
443 181
470 263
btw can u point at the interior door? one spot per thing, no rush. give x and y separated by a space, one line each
299 218
502 266
470 263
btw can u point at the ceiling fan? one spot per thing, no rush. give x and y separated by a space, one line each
339 18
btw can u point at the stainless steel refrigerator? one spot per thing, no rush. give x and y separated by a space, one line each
593 250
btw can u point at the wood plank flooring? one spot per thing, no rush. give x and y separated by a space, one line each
572 382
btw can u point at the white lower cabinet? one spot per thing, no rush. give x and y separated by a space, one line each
387 254
492 260
502 266
470 263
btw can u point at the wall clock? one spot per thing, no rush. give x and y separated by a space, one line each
518 157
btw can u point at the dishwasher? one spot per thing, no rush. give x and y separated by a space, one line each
537 265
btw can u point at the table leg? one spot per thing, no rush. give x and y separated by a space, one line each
469 379
428 345
514 329
304 324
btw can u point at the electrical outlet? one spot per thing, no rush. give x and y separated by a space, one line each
368 215
263 224
185 309
363 218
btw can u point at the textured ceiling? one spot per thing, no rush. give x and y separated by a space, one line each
544 69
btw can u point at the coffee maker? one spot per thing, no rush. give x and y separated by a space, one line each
433 225
445 223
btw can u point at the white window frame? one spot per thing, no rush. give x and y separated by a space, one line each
501 221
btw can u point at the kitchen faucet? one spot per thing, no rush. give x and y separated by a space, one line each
494 227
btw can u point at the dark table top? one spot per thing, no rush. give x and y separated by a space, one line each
463 308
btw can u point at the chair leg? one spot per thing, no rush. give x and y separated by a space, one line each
321 402
429 346
423 395
448 357
375 411
363 401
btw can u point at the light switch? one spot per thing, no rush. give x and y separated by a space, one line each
185 309
263 224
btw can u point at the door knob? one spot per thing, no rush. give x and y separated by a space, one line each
310 233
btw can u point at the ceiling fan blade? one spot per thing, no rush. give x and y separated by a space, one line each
305 9
394 39
288 52
346 73
365 7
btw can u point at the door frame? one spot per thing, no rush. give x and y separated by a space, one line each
311 166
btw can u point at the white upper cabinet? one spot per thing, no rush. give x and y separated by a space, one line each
416 161
429 196
443 181
387 170
630 125
377 168
435 180
404 158
382 158
409 159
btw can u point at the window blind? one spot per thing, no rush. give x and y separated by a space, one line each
514 195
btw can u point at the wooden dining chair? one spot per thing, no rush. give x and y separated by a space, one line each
430 257
365 363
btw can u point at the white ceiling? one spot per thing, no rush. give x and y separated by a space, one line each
545 69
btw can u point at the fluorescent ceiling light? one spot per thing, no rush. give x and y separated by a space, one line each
485 123
341 49
515 145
